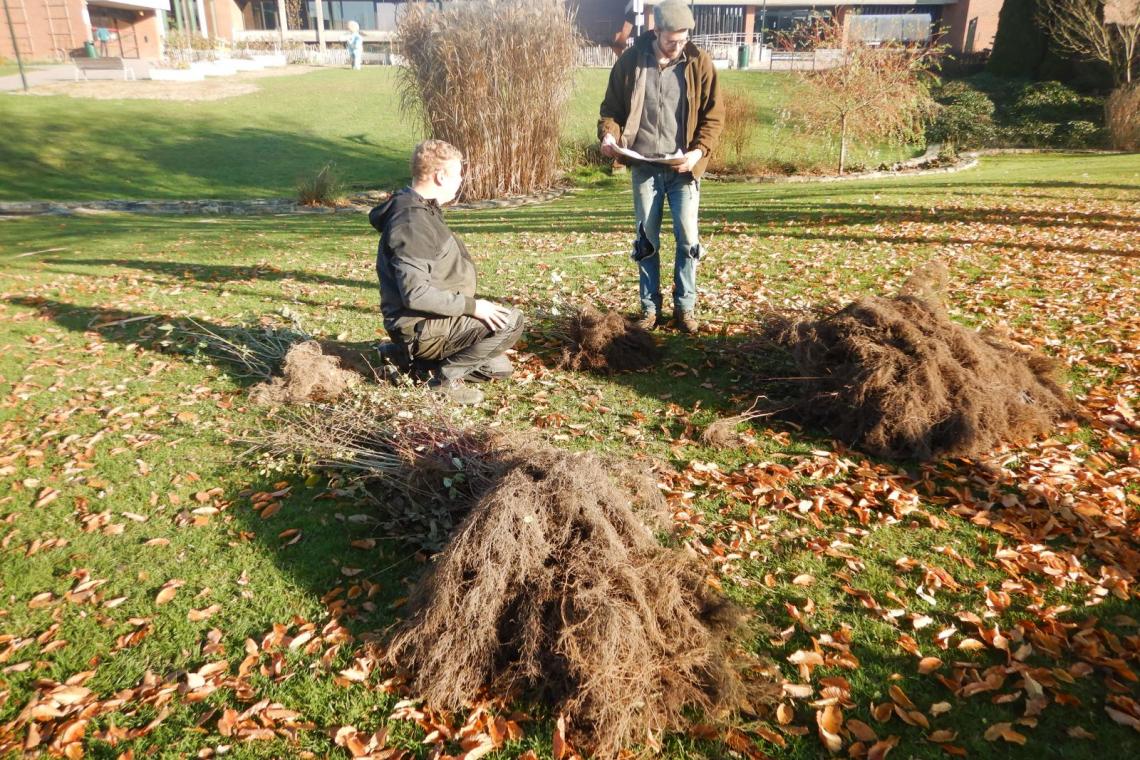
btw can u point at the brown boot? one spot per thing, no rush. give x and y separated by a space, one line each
647 320
685 321
457 392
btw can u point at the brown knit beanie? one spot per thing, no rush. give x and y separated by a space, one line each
673 16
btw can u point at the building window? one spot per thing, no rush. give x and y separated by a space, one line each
719 19
877 24
878 29
260 15
971 33
787 19
339 12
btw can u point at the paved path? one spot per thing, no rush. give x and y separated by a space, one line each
65 72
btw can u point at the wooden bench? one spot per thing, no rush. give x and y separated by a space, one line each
83 65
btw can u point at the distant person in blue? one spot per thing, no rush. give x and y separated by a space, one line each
355 45
103 36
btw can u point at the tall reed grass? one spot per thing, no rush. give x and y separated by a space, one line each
492 77
740 118
1122 117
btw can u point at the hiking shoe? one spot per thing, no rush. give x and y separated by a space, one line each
685 321
647 320
458 392
498 368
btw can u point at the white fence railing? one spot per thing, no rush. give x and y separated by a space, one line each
595 56
726 48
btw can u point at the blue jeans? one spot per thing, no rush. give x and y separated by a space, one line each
652 184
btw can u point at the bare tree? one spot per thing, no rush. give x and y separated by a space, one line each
1097 30
872 94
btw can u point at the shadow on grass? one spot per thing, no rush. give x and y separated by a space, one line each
196 161
216 273
255 354
802 218
328 519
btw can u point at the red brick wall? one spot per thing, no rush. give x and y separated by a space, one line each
36 41
958 16
229 18
38 44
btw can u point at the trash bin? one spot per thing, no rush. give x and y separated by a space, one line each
89 48
742 57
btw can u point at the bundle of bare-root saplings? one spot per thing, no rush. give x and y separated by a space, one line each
604 343
551 583
895 377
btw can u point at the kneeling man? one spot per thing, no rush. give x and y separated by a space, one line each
427 282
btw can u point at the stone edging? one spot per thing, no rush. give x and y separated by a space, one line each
967 160
276 206
363 203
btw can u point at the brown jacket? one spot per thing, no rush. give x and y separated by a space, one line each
625 95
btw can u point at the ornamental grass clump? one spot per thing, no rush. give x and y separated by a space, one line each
1122 117
324 188
492 78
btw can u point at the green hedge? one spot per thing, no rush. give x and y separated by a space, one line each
985 111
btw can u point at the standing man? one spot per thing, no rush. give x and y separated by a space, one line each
663 100
427 282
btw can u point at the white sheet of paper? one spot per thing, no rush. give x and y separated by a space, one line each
635 156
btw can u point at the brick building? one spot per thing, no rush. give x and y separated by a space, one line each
53 29
970 24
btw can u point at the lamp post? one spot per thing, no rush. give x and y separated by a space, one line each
763 18
16 47
638 17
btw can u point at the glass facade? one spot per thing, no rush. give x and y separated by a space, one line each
910 27
718 19
882 23
260 14
339 12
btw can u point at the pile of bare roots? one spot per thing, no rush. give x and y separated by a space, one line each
293 367
604 343
722 433
895 377
551 584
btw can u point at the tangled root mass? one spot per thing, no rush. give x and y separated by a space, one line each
553 585
896 377
605 343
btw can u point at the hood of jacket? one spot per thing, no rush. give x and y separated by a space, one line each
400 202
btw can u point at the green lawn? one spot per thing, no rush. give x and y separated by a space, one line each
116 464
258 145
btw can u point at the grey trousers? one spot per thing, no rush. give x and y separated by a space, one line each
462 345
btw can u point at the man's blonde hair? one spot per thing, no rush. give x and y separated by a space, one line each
431 156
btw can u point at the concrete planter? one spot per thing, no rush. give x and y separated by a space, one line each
176 75
270 59
246 64
222 68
